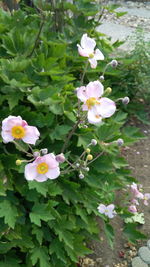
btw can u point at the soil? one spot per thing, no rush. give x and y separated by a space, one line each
138 156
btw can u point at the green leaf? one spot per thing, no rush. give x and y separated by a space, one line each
57 247
60 131
40 212
132 233
38 233
137 218
40 254
40 187
9 212
109 233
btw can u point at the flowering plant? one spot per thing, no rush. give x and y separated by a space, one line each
56 172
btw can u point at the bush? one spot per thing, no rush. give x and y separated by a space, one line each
48 224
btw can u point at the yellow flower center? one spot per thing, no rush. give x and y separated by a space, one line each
91 102
42 168
97 116
91 55
18 132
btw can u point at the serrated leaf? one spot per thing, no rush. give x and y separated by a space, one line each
40 254
41 188
9 212
40 212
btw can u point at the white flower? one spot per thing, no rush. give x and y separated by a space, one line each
42 168
98 107
107 210
86 49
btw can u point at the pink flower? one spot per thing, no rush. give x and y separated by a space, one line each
135 201
86 49
132 208
146 198
135 191
43 168
107 210
98 107
15 128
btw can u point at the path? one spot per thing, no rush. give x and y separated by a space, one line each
124 28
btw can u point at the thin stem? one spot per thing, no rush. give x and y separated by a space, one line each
100 154
69 163
70 135
84 71
105 69
22 149
37 37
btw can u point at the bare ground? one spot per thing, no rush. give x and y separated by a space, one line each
138 157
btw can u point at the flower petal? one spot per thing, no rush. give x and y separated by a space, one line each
93 116
7 136
93 62
11 121
30 171
81 93
94 89
41 178
82 52
111 207
107 107
53 173
84 107
101 208
50 160
98 55
88 43
31 136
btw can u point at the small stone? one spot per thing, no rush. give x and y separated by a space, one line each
144 253
148 244
137 262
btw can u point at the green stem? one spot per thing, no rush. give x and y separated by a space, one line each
22 149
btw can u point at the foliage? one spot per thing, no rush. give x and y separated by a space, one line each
133 76
47 224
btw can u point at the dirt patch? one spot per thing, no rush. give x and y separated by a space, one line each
138 157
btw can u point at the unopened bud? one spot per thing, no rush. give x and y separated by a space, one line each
77 165
36 154
18 162
85 126
101 78
88 150
93 142
108 90
81 175
126 100
87 169
120 142
89 157
60 158
44 151
114 63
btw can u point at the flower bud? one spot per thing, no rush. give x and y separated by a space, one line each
60 158
36 154
77 165
101 78
132 208
88 150
44 151
93 142
126 100
18 162
85 126
114 63
108 90
89 157
120 142
81 175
